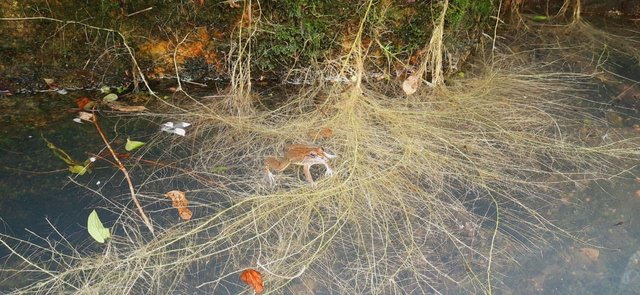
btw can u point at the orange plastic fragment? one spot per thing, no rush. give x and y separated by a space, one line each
253 278
180 202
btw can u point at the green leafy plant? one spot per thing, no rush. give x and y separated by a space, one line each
95 228
75 167
110 97
133 145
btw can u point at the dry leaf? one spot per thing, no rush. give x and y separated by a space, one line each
590 253
253 278
180 202
51 83
410 85
85 116
118 106
84 103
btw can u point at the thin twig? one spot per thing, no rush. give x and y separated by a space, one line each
139 11
146 220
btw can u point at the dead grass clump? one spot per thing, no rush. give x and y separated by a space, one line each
430 191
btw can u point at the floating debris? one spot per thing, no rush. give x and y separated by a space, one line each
178 128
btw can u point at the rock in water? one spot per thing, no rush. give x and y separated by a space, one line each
630 281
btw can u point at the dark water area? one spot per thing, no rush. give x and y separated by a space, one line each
40 193
35 184
40 196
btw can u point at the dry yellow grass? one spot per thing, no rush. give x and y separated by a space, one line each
431 190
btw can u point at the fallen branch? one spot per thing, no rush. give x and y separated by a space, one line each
124 171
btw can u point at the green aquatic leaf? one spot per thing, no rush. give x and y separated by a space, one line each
74 166
95 228
60 153
105 89
78 169
133 145
539 18
110 97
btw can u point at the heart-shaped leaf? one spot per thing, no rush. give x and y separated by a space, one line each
95 228
133 145
110 97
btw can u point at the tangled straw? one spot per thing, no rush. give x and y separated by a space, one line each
431 191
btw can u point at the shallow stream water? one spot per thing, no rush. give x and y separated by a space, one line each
40 197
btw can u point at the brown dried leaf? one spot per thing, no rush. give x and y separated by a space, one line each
85 116
50 82
410 85
253 278
185 213
118 106
180 202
